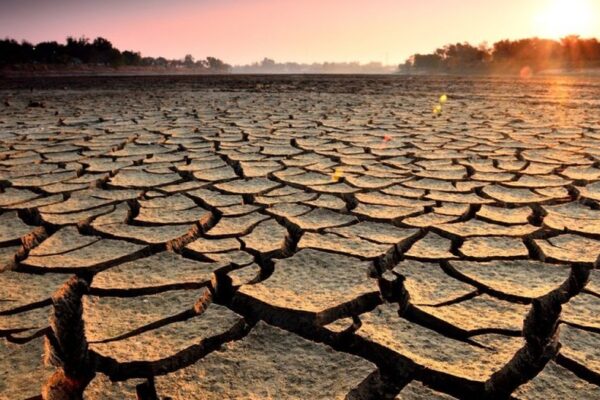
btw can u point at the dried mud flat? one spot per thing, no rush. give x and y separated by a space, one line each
299 238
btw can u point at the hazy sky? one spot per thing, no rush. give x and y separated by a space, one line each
242 31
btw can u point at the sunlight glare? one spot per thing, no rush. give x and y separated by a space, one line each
561 18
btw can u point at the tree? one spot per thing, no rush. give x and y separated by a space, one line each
162 62
188 61
131 58
427 61
79 50
48 52
216 65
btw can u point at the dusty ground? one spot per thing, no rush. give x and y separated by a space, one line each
374 248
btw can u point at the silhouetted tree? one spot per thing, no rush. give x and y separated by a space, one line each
216 65
427 61
79 49
161 62
188 60
267 63
49 53
102 52
131 58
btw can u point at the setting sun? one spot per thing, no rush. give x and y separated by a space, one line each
567 17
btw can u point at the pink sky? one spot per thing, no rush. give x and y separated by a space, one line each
243 31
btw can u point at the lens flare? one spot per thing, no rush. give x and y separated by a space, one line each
336 176
526 73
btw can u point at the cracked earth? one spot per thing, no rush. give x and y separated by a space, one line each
299 238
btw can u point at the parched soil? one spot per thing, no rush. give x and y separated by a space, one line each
300 237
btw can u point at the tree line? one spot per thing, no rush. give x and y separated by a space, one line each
270 66
571 52
98 52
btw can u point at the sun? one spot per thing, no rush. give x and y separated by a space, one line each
560 18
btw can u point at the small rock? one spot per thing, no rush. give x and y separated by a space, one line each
38 104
